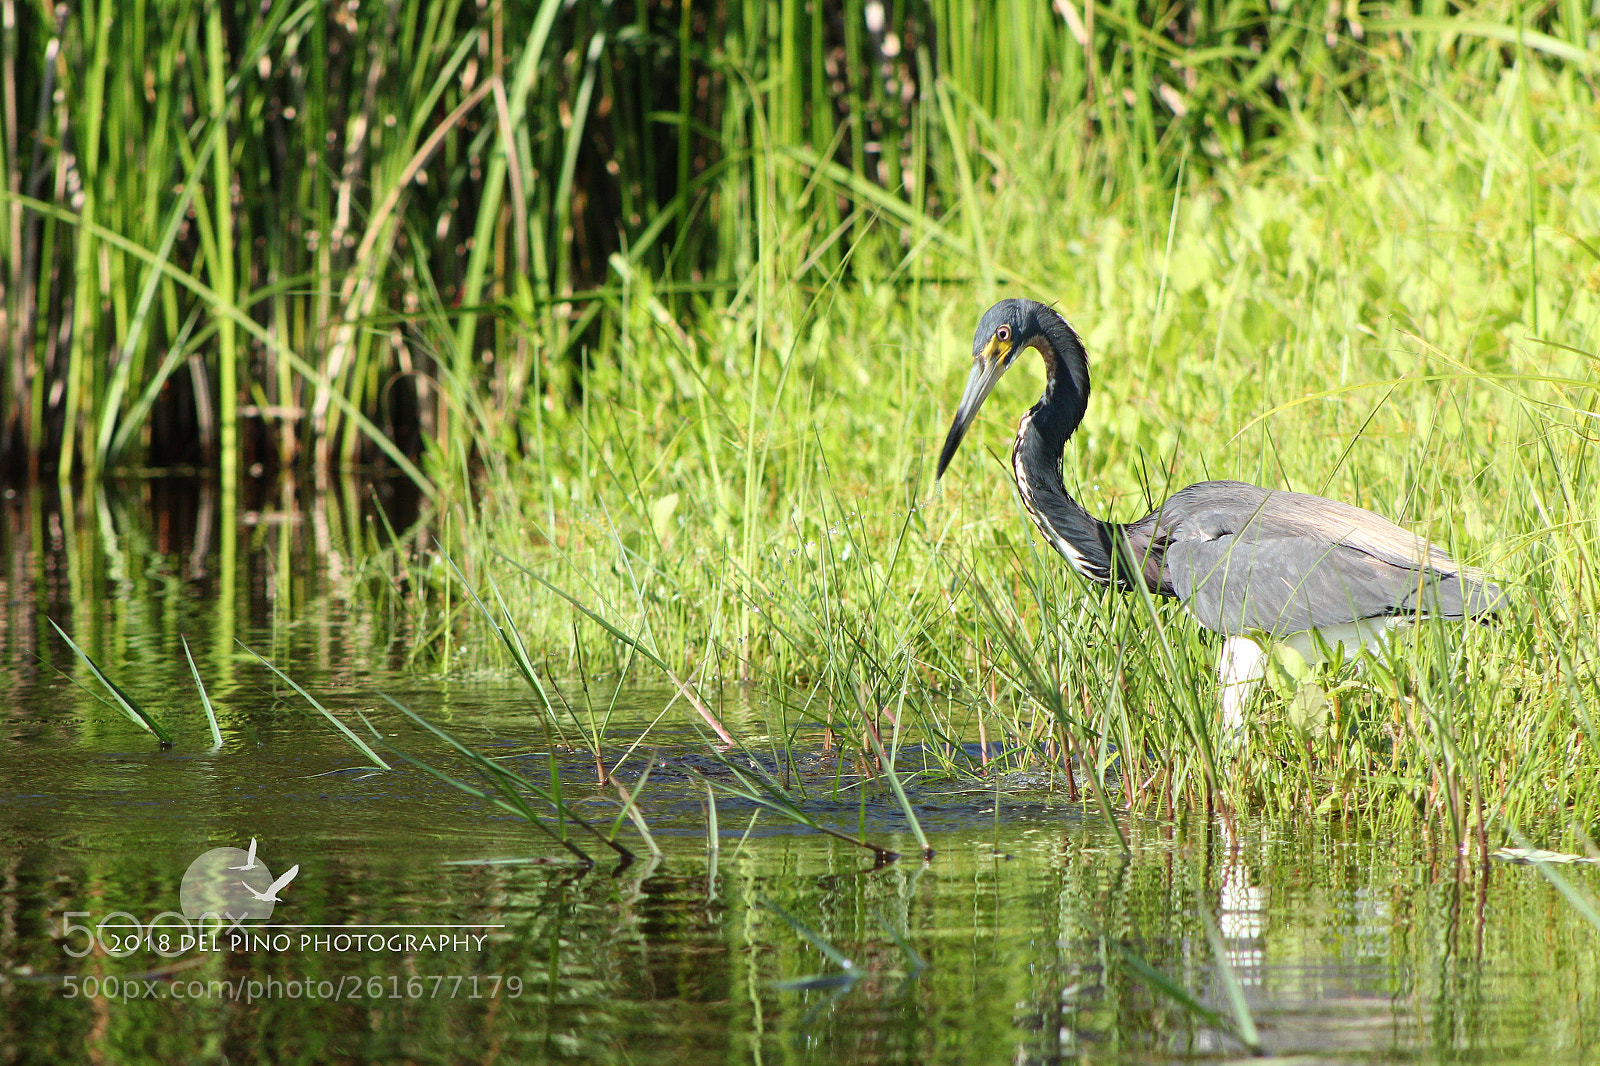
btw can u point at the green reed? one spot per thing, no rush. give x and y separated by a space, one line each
264 237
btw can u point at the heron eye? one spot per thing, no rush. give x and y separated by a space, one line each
1003 333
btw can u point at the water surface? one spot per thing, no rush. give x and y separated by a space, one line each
427 925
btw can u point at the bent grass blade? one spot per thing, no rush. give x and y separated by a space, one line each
848 974
768 794
507 783
205 701
886 763
360 744
684 688
1180 995
1245 1024
630 809
137 714
1545 862
509 802
514 645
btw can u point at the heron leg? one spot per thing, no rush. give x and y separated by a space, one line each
1239 669
1242 663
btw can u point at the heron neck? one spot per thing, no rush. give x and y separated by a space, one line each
1081 538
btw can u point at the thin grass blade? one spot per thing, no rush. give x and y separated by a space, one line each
134 712
205 701
333 720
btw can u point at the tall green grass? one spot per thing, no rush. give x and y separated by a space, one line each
241 238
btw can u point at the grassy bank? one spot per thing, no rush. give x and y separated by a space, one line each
1395 308
674 371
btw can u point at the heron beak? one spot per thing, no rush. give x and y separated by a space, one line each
987 366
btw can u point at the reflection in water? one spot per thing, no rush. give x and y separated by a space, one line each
423 924
1241 918
127 568
1027 925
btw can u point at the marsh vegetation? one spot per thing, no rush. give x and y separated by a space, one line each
663 310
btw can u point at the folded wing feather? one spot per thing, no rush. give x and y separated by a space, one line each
1248 558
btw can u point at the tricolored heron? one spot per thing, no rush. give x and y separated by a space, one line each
1254 564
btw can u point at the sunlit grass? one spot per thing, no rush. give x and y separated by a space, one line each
694 438
750 497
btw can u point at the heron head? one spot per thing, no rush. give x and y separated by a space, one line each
1004 332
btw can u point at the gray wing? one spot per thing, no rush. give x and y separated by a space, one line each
1247 558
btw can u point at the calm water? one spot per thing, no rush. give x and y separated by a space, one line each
427 925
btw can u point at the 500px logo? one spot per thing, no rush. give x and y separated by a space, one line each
224 884
119 934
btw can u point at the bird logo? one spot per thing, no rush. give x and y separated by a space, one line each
234 884
271 894
249 858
